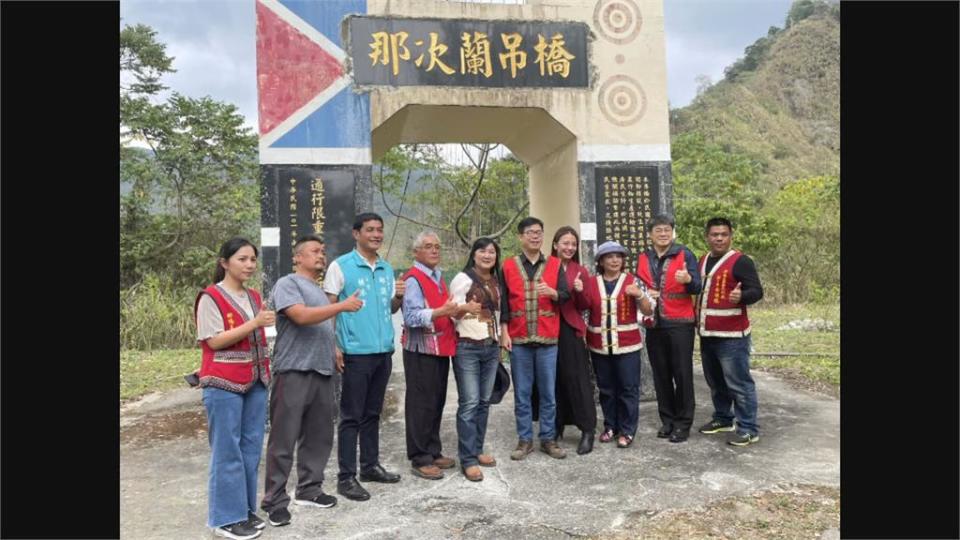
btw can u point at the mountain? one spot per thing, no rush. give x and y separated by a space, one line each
780 103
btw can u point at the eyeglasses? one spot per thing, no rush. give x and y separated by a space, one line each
533 234
430 247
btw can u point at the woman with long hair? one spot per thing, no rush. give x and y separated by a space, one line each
478 352
234 375
574 392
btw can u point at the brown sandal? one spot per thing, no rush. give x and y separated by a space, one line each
473 473
624 441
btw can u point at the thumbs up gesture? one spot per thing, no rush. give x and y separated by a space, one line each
578 284
352 302
736 294
400 287
545 290
682 275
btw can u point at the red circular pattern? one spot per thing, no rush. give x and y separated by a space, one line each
622 100
617 21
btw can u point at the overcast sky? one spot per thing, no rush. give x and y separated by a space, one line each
214 43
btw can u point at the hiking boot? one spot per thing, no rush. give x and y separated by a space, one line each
486 460
743 439
552 449
255 521
240 530
279 517
715 426
523 448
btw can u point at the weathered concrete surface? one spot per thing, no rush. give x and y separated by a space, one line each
164 453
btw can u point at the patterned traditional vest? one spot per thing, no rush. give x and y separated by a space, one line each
717 316
442 340
675 303
533 319
235 368
613 327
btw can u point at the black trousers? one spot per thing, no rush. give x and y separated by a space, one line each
365 378
426 393
671 357
301 415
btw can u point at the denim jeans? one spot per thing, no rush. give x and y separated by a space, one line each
618 379
475 368
527 363
726 366
235 425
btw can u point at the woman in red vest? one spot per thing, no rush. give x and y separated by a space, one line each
234 374
574 392
614 340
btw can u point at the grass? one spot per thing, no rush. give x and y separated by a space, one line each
821 372
142 372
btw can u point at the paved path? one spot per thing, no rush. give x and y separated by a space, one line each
164 455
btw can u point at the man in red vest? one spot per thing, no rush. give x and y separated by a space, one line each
669 270
533 288
429 340
730 285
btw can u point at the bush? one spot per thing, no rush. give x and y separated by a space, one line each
154 314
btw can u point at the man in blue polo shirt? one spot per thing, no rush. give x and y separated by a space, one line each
364 353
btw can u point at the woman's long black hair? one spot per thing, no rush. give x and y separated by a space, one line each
227 250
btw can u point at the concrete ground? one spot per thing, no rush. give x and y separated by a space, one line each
164 456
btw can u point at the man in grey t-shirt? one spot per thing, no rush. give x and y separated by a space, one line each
301 397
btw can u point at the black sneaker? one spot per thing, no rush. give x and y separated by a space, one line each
279 517
321 501
743 439
255 521
240 530
715 426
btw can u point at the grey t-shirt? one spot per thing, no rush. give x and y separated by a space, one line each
301 348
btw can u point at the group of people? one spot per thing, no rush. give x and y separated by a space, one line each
553 317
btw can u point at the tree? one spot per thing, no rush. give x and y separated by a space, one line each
807 262
711 181
460 203
191 166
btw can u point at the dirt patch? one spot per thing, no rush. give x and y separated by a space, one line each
796 379
165 427
787 511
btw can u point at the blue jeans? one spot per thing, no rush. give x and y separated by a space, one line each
475 369
618 379
527 363
726 366
235 425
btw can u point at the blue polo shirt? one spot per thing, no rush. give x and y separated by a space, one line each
369 330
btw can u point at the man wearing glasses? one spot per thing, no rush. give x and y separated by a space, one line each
429 340
670 272
533 288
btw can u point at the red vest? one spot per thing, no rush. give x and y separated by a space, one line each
533 319
572 309
442 340
675 303
237 367
613 327
717 316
